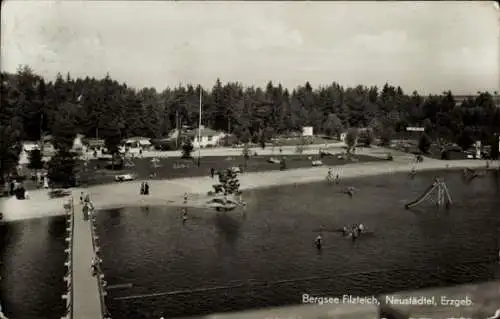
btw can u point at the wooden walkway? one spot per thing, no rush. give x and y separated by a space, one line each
86 299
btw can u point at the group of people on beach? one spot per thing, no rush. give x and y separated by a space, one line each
144 188
331 178
14 188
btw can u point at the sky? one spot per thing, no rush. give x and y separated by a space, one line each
424 46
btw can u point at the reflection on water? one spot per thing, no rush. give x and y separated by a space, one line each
273 243
32 268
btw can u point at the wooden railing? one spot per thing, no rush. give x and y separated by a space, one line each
69 208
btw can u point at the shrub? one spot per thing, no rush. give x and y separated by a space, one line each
299 149
366 137
35 160
61 170
351 139
187 149
465 139
282 164
424 143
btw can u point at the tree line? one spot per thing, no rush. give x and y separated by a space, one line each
105 108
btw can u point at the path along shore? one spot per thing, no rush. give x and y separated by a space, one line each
170 192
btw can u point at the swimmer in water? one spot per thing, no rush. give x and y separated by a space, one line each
413 172
361 228
344 231
349 191
185 198
318 241
354 234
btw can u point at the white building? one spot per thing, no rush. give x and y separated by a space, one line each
307 131
208 137
78 144
137 142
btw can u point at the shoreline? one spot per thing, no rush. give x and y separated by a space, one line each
170 192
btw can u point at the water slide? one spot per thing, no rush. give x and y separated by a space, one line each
421 198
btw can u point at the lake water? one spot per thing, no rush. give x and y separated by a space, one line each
266 256
32 268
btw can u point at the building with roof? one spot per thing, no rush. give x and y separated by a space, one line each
137 142
207 137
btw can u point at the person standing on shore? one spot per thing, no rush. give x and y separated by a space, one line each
212 172
184 215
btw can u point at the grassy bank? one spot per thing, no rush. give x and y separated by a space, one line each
174 167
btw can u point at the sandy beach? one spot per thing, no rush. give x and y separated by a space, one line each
170 192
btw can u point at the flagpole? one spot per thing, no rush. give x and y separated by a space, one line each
199 131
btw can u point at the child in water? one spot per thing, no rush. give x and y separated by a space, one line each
184 215
318 242
344 231
354 234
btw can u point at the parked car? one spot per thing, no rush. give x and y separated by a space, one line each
470 154
124 177
235 169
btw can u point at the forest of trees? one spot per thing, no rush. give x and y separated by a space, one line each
112 110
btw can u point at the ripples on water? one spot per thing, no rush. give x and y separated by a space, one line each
151 249
32 269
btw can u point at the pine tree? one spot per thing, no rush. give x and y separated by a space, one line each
187 149
35 159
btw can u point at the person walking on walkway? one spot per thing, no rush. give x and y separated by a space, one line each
85 211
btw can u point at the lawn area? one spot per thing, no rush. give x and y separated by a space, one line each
174 167
316 140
